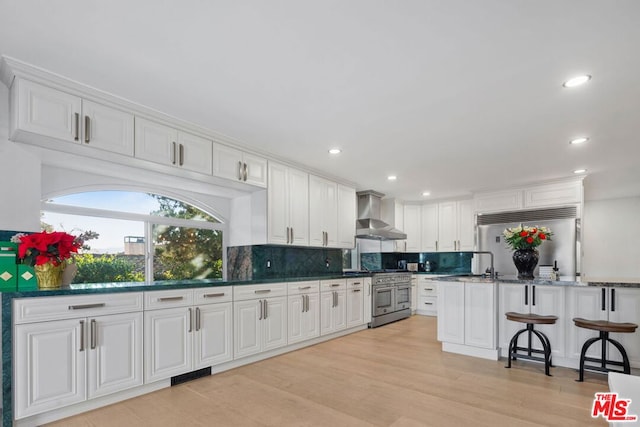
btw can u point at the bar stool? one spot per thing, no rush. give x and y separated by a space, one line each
531 319
604 327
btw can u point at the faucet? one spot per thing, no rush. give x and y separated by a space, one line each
490 270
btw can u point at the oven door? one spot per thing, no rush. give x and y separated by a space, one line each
384 300
403 296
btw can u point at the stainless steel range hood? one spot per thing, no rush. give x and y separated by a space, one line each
369 225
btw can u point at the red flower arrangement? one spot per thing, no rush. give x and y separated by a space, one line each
526 237
42 248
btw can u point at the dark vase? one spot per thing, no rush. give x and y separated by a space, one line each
525 261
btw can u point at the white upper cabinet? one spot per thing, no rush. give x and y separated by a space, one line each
323 212
234 164
455 226
412 219
43 111
287 205
552 194
346 216
429 228
165 145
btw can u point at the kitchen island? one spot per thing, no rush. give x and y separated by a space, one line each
70 350
471 314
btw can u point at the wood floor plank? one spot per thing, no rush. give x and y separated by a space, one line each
395 375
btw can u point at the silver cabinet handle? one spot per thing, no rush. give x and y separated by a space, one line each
246 172
436 246
429 303
94 334
220 294
291 234
428 289
333 285
81 335
288 236
87 129
266 308
304 303
164 299
260 316
85 306
173 153
76 118
190 320
197 319
357 290
335 299
239 171
307 297
303 288
262 291
181 151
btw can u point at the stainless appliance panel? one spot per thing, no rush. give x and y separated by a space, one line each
562 248
403 297
383 300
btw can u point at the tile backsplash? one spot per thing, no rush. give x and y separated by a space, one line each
441 262
271 261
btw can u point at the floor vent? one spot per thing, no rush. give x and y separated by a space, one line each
179 379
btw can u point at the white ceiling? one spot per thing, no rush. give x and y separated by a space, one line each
452 96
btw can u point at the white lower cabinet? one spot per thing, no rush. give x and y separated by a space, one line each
615 304
355 302
259 318
546 300
333 307
466 316
61 362
303 311
186 330
427 296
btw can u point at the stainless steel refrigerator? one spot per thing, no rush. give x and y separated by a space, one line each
562 249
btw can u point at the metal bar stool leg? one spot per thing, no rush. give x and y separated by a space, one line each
546 346
512 347
583 353
625 358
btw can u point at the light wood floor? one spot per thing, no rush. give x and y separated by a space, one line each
395 375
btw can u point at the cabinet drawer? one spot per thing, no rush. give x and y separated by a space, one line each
213 295
428 289
428 304
243 293
39 309
355 283
333 285
309 287
167 299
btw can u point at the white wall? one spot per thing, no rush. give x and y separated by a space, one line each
19 179
611 240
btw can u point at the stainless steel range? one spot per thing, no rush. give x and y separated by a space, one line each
391 297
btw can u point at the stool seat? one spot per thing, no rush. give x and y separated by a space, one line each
606 326
531 318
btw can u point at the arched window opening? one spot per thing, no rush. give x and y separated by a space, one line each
138 237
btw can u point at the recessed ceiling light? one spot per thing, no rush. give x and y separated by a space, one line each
579 171
577 81
335 151
392 177
426 193
580 140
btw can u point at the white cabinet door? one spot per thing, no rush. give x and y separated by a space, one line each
213 334
327 322
447 222
311 320
256 170
465 226
624 307
155 142
340 311
429 216
106 128
227 162
48 111
412 219
194 153
247 326
167 343
367 301
451 312
298 205
114 353
550 301
323 212
296 317
587 302
355 302
51 370
288 206
346 217
479 316
274 323
511 297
